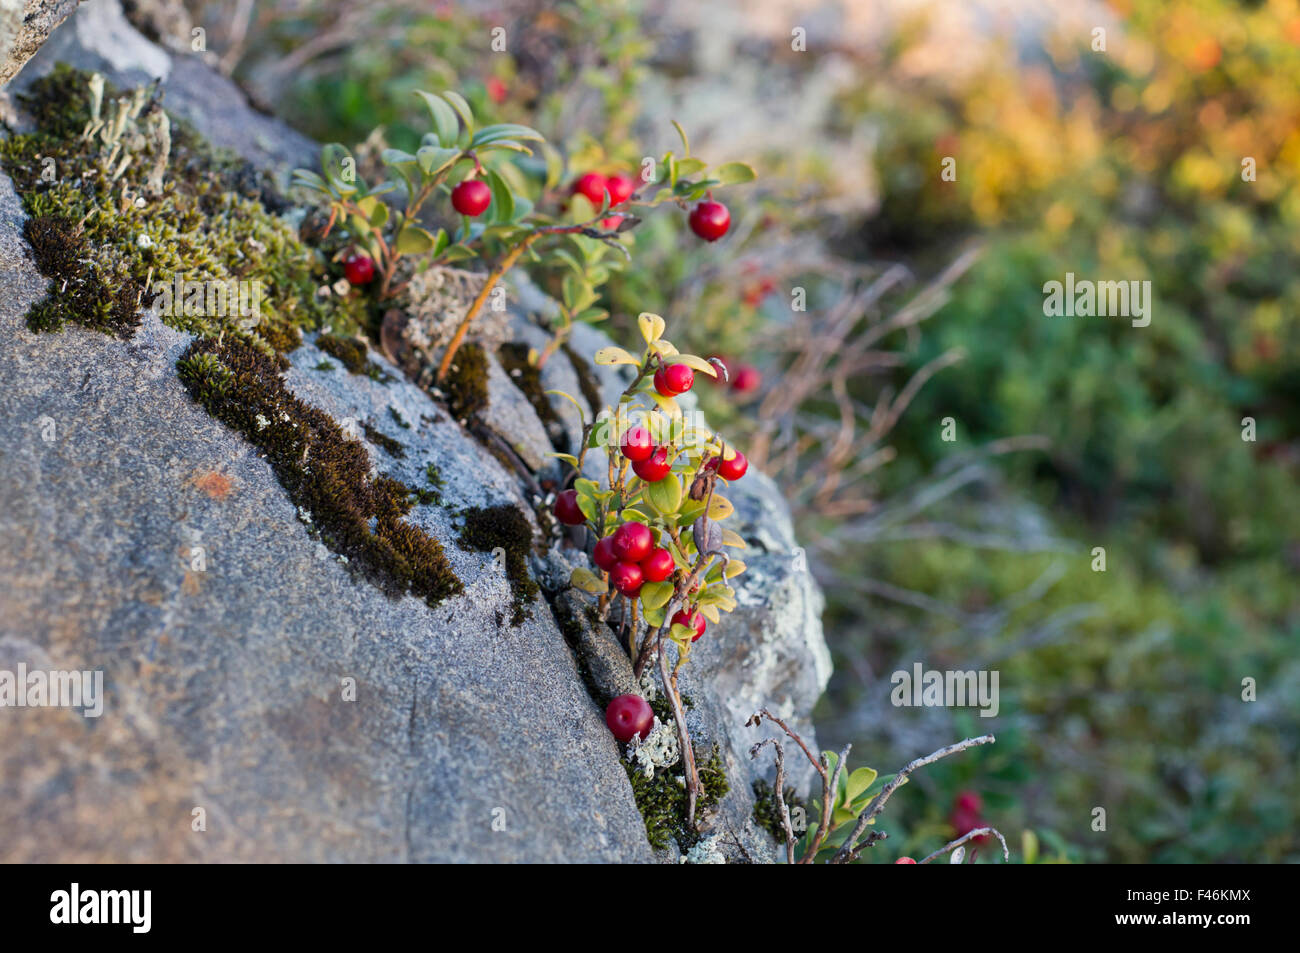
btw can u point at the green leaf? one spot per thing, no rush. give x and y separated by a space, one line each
665 495
566 457
859 781
444 118
686 143
582 417
587 581
309 179
653 617
458 103
505 130
733 173
503 201
655 595
680 633
434 160
690 166
414 240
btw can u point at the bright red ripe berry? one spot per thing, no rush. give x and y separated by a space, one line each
654 467
633 542
732 469
710 220
745 379
637 444
496 90
566 509
629 716
905 860
359 270
627 579
674 379
658 566
471 197
620 186
695 621
592 185
603 555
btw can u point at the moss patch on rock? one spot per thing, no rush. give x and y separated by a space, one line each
324 471
505 527
767 813
156 217
466 386
662 799
353 353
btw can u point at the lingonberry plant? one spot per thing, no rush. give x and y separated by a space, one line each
654 522
505 208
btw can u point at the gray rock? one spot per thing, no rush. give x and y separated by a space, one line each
24 26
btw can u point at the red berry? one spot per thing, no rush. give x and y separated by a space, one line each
471 197
905 860
496 90
628 717
359 270
732 469
620 186
965 816
633 542
695 621
710 220
637 444
745 379
658 566
603 555
674 379
611 224
655 467
627 579
593 185
566 509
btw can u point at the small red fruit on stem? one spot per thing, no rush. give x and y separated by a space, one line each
654 467
674 379
603 555
732 469
710 220
637 444
593 186
746 378
566 509
633 542
905 860
359 269
627 579
694 620
658 566
471 197
620 186
628 717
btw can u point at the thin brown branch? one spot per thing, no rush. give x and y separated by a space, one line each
968 836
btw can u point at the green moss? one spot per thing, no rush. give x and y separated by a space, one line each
324 471
767 813
353 353
466 385
486 529
112 246
662 799
433 493
398 418
528 378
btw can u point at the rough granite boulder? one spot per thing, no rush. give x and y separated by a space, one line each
229 679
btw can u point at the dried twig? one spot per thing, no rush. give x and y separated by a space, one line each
968 836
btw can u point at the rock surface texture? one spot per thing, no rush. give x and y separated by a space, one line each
146 540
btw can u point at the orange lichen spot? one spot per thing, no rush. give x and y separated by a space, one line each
216 485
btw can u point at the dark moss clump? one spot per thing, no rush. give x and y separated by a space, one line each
528 378
587 380
398 418
83 288
384 442
466 386
486 529
352 353
662 799
324 471
767 813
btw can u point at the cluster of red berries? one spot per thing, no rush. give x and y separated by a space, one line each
631 557
594 187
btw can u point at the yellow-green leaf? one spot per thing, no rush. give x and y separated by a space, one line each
664 495
720 508
587 581
734 568
655 595
573 400
566 457
859 781
615 355
731 538
651 325
711 613
693 362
